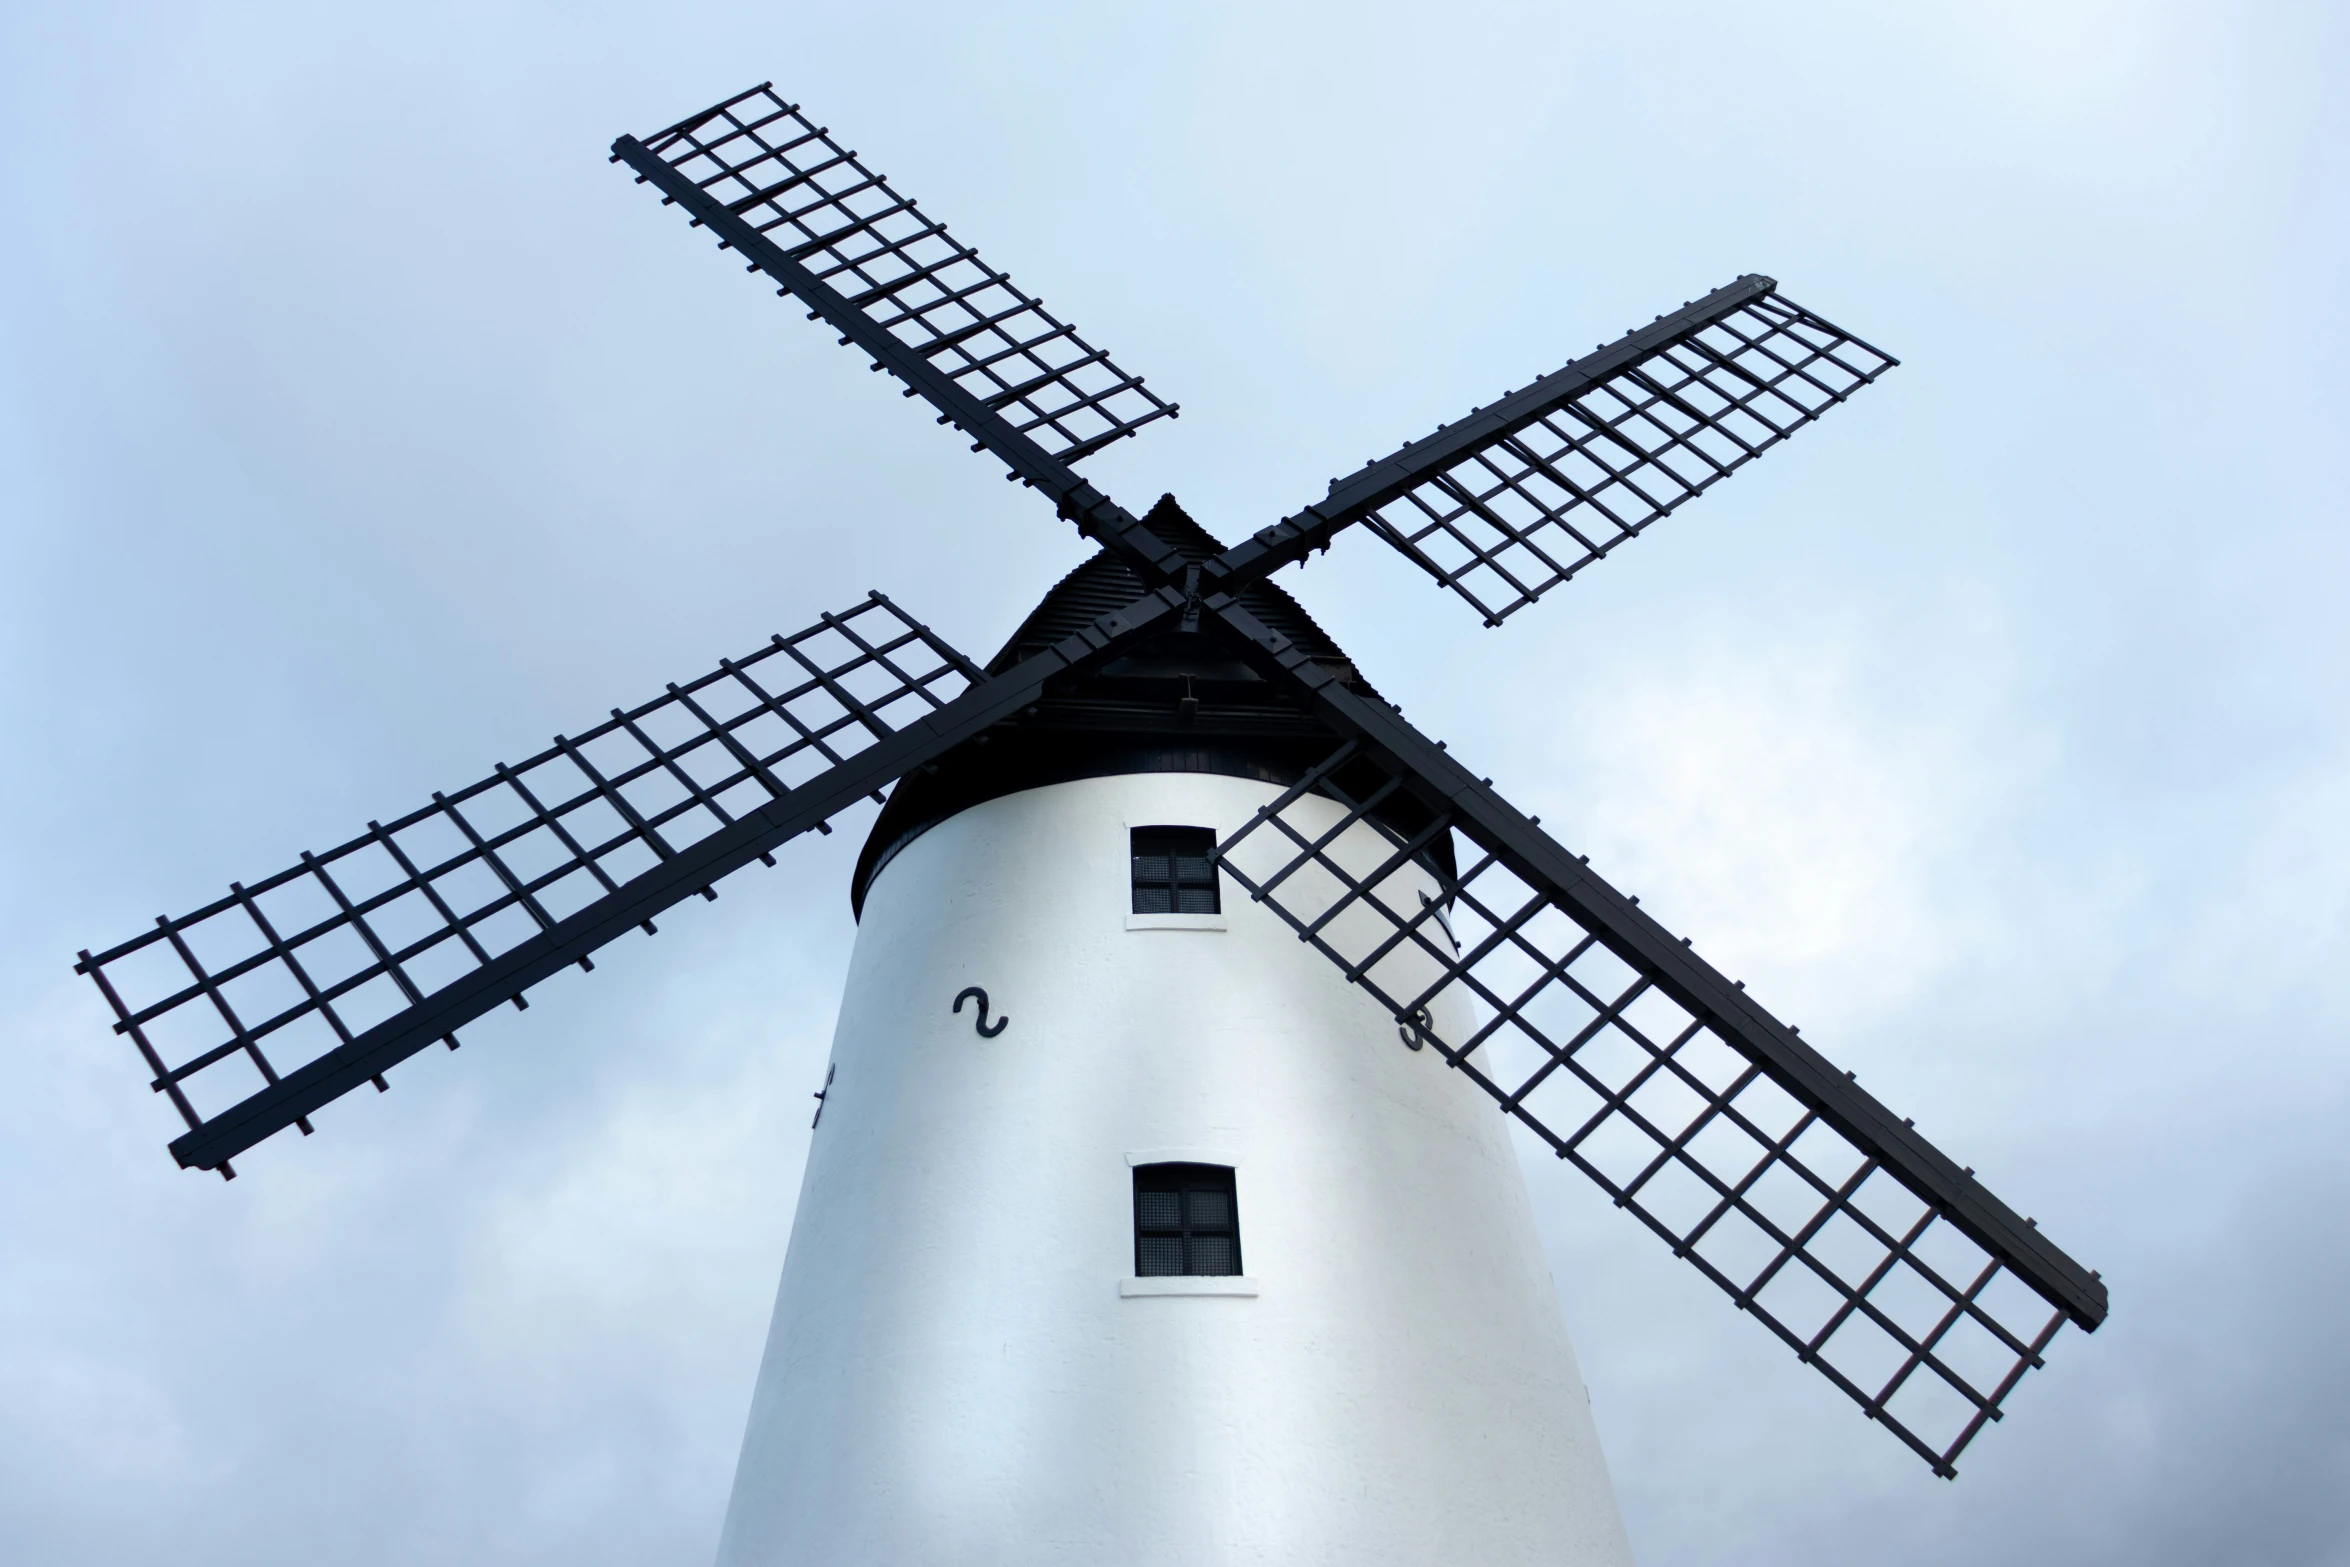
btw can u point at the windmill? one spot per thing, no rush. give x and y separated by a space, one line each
1249 962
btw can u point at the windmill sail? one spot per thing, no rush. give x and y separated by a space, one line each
1520 496
851 242
303 985
1814 1207
989 357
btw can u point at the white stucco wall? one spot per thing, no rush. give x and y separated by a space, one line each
954 1374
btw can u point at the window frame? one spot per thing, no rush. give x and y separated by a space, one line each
1185 1177
1177 841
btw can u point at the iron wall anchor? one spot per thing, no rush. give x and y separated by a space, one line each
974 993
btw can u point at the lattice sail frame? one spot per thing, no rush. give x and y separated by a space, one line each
791 181
1859 1274
307 960
1514 518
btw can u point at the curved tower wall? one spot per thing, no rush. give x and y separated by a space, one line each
961 1368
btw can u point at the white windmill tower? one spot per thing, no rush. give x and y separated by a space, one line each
1195 1238
1185 1257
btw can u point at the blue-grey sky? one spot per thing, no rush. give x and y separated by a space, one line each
360 426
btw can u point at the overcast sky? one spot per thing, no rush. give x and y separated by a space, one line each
360 426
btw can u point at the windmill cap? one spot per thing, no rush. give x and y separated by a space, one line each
1177 703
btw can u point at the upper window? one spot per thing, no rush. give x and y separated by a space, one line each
1174 872
1185 1221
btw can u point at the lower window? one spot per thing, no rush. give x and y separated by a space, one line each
1185 1221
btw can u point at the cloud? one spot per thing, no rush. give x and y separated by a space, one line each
359 426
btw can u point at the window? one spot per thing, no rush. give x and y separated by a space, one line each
1173 871
1185 1221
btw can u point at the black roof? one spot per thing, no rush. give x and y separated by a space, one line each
1105 583
1178 702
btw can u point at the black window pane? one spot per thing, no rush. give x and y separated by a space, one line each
1158 1256
1210 1210
1159 1210
1153 900
1214 1255
1195 900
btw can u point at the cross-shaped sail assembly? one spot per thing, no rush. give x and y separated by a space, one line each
1818 1210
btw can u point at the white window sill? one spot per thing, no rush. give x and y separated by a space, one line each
1188 1284
1175 922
